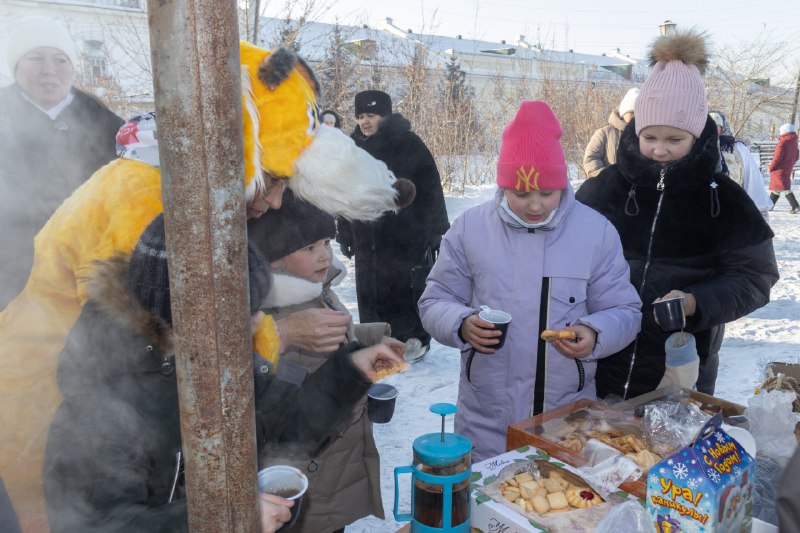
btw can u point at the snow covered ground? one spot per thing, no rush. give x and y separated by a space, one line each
769 334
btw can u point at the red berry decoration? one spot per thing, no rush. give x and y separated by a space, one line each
587 495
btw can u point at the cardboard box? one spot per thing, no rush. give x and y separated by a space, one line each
790 369
488 515
533 431
705 487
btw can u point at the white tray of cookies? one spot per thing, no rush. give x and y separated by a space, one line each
553 496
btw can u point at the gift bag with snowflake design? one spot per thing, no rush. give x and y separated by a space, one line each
704 487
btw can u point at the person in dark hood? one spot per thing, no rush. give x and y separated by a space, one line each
387 250
53 136
113 458
687 230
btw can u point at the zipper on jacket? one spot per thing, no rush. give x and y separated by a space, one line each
660 187
581 375
539 392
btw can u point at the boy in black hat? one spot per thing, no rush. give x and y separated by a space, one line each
113 450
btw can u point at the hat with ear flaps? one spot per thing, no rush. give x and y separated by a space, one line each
674 94
282 136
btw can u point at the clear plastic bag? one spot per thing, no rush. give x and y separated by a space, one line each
772 424
606 468
627 517
671 425
765 489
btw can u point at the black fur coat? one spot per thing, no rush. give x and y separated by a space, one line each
699 233
388 248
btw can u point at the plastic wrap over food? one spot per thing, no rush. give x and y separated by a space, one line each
627 517
772 424
670 425
607 468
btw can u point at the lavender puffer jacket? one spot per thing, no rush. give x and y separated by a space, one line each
487 258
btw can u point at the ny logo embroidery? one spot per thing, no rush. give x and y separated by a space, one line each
525 177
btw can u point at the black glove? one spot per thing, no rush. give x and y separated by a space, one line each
347 250
434 243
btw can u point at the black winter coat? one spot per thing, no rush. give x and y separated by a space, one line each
111 450
42 161
698 233
387 249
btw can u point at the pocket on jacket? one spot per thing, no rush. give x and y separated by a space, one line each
568 300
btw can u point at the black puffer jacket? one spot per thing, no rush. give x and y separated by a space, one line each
386 250
700 233
111 449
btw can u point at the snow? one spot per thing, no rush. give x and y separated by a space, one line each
769 334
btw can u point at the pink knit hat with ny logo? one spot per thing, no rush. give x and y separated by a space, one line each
531 156
673 94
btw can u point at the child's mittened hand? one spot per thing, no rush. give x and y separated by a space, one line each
581 346
480 334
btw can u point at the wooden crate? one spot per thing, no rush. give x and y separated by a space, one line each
529 432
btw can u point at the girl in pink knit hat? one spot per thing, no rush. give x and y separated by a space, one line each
546 260
688 231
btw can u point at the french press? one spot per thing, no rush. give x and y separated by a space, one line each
440 476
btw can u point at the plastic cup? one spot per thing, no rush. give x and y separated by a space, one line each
381 398
500 319
287 482
670 314
415 350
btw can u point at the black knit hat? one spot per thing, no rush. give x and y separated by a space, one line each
375 102
279 232
148 276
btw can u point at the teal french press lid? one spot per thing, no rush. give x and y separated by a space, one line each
441 449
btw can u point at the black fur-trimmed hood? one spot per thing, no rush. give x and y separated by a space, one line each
641 171
109 295
702 210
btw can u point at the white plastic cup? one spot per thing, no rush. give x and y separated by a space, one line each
287 482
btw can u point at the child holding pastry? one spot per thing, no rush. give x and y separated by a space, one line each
552 264
344 472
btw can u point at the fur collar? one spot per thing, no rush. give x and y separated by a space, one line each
288 290
638 170
107 291
391 126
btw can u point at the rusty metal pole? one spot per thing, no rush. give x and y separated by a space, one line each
195 57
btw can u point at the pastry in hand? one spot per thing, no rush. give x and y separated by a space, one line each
550 335
385 371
